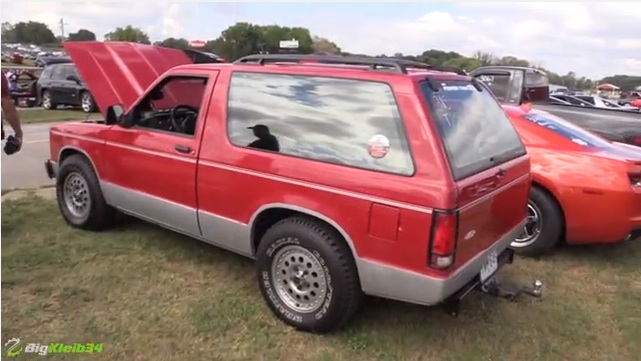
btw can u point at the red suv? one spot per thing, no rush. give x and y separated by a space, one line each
341 176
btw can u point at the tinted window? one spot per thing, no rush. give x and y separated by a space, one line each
350 122
567 130
58 72
47 72
476 132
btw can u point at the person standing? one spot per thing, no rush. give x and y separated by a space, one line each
10 113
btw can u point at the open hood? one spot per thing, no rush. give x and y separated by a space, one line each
120 72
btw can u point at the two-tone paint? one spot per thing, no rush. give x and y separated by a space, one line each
228 196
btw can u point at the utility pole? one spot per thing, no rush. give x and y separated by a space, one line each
62 27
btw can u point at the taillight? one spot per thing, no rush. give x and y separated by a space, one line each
442 246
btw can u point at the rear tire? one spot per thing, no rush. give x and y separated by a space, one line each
307 275
544 227
47 101
79 195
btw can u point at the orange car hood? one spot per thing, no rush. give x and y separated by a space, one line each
120 72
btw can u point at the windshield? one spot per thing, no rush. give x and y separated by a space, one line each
567 130
475 130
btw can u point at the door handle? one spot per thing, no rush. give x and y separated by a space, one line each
501 173
182 148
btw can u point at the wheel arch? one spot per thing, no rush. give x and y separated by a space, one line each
269 214
555 199
69 150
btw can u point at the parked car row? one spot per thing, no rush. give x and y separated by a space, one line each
341 176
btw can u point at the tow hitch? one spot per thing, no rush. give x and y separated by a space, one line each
511 291
493 287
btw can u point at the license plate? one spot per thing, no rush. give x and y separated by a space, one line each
490 266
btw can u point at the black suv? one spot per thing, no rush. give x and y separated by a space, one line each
60 84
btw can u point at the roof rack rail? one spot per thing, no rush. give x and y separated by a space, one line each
398 65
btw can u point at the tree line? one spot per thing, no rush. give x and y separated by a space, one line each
243 39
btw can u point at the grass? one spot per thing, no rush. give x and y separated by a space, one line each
29 115
149 294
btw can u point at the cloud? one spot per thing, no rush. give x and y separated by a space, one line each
591 39
156 18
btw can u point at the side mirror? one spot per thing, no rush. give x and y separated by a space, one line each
116 115
73 78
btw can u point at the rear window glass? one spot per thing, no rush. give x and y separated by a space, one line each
476 132
567 130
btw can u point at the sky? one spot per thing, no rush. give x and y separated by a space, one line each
592 39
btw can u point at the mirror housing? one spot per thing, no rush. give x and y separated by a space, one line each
73 78
116 115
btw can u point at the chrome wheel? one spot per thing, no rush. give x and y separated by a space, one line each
532 228
87 103
46 100
299 279
76 195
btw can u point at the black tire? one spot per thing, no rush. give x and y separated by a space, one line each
48 102
98 214
551 225
343 295
90 106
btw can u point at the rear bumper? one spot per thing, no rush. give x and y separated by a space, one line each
51 168
394 283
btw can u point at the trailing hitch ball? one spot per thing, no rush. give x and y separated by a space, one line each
510 291
494 288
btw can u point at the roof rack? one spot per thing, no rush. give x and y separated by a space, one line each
398 65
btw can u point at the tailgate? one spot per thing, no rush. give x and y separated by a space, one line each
491 204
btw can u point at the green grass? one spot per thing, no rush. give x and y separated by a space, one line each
149 294
29 115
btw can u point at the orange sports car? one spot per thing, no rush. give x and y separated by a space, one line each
585 189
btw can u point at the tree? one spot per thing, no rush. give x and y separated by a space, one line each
8 35
82 35
128 33
238 40
274 34
175 43
31 32
325 46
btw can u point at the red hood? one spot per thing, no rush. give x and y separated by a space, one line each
120 72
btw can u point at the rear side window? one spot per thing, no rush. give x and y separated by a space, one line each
475 130
349 122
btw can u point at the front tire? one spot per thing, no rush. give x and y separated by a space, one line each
544 227
47 101
87 102
79 195
307 275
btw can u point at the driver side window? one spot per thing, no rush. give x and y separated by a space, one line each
172 106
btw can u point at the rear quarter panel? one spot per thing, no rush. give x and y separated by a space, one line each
235 183
592 192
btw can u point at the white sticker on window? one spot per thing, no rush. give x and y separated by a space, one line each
378 146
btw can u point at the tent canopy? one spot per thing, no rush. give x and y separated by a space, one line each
607 86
